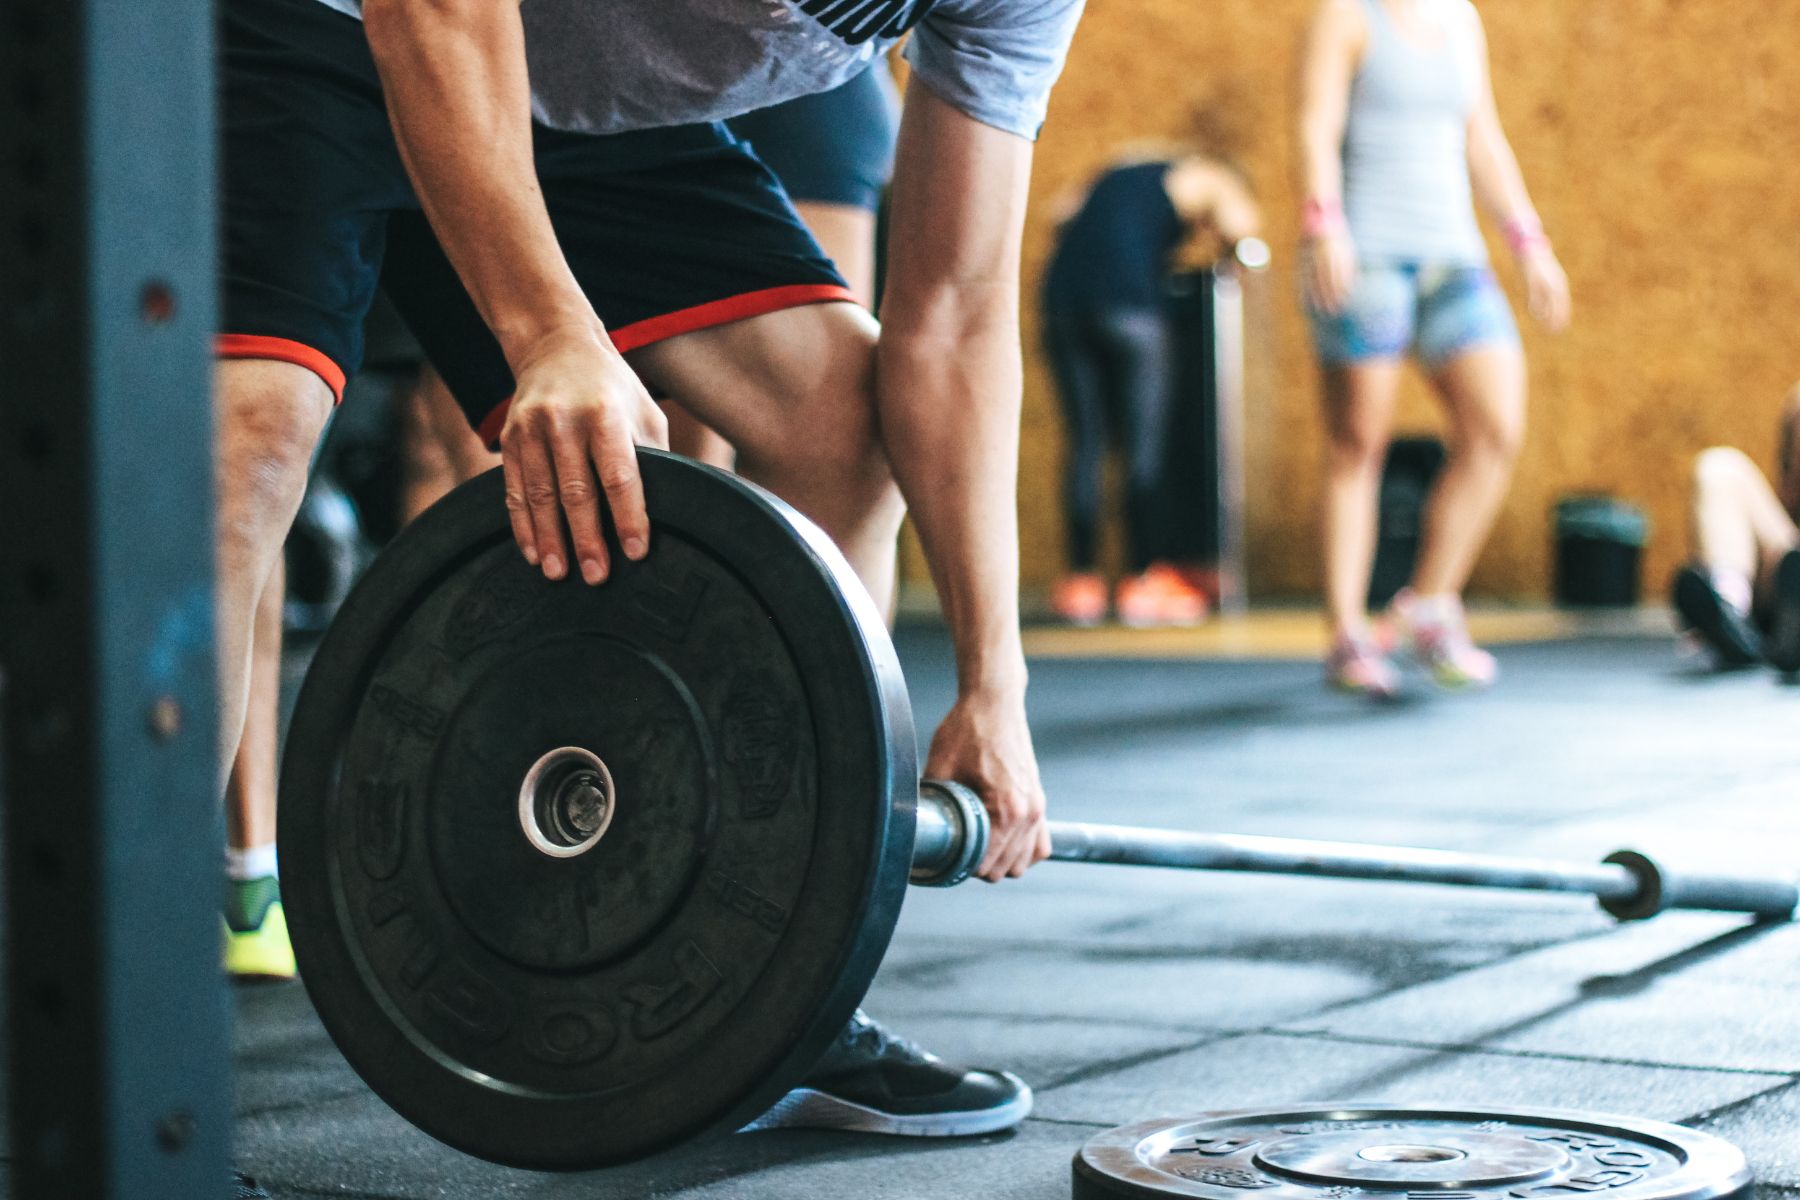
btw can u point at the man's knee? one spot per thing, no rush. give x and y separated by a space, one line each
269 417
824 424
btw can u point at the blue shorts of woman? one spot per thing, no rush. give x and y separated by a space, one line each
1433 311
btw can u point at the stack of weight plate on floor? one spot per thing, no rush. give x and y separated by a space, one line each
1409 1152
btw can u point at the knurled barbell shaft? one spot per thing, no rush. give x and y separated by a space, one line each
952 836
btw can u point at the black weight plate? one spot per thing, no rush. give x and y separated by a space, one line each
679 976
1409 1152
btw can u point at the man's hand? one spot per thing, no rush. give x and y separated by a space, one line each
1330 271
1546 287
576 418
984 744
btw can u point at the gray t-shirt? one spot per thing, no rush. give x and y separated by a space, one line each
604 66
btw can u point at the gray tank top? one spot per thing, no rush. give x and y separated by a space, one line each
1406 167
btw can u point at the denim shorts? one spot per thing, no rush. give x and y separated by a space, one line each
1434 311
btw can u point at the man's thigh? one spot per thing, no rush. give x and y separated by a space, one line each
669 232
309 172
804 373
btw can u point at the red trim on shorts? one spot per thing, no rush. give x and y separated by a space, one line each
639 334
489 429
255 345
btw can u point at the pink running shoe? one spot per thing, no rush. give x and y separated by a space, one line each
1439 636
1356 664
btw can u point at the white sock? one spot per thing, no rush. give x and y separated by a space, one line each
1435 611
258 862
1734 588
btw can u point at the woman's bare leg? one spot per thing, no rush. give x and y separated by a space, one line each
1359 411
1483 392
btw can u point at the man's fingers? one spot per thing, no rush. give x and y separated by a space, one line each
616 459
580 504
517 511
538 478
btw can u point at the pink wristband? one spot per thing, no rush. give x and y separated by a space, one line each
1320 217
1525 233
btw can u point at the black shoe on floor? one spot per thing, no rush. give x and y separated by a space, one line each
874 1082
1782 646
244 1188
1726 631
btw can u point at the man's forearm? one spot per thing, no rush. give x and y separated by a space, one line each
459 96
949 405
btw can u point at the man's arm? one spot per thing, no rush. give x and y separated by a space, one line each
460 100
948 378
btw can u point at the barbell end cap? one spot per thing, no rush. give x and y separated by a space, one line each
966 813
1647 901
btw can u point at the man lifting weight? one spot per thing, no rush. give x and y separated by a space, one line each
554 175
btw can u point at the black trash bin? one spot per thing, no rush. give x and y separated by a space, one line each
1599 549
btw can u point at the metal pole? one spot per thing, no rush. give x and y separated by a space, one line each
116 1002
1248 257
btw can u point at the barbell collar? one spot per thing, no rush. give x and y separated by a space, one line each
952 835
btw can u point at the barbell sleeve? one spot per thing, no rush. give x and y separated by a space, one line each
1631 886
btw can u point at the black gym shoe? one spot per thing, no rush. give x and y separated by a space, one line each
244 1188
1783 643
1726 631
874 1082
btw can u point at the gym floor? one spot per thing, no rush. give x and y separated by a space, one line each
1125 994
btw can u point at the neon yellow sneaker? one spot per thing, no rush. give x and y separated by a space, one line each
256 933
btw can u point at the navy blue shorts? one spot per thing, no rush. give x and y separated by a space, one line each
667 230
833 148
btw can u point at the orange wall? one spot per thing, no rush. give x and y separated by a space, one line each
1658 138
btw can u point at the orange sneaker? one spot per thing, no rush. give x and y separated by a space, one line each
1160 596
1079 598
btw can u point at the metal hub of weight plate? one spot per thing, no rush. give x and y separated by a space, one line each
575 874
1409 1152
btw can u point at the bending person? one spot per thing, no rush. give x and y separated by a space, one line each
1399 136
1107 334
557 273
1740 594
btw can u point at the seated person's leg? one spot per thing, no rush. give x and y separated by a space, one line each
1740 533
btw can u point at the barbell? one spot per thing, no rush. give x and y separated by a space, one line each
577 874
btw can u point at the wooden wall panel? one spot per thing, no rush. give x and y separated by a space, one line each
1658 137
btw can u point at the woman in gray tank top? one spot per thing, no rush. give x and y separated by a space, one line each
1399 138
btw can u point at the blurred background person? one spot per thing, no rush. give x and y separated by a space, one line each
1399 136
1112 350
1739 595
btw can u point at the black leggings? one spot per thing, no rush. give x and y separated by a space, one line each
1115 372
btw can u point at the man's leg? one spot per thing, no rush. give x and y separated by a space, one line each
257 944
793 390
268 418
440 449
846 232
